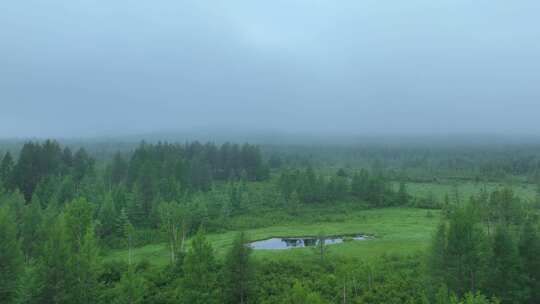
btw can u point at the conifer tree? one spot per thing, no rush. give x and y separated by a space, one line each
529 252
131 289
11 258
505 278
31 229
199 285
466 252
238 271
107 217
53 268
86 267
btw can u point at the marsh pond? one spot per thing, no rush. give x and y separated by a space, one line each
299 242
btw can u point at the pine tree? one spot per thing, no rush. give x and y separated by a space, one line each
293 203
238 271
466 252
53 268
126 231
11 258
505 278
529 252
86 266
6 168
31 230
437 256
78 220
403 196
28 287
135 208
199 285
131 289
321 248
107 217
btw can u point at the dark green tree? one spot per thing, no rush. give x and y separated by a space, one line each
505 280
529 252
131 289
466 252
11 257
199 284
107 217
53 267
238 272
31 228
6 168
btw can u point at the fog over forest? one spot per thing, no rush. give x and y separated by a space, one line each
106 68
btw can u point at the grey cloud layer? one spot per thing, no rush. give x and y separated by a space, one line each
94 67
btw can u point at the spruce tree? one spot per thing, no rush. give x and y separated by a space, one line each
466 252
53 268
131 289
6 167
31 228
505 278
529 251
86 265
11 257
107 217
238 271
199 284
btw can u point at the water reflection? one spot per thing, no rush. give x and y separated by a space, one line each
288 243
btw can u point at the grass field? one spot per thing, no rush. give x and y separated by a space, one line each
395 231
465 189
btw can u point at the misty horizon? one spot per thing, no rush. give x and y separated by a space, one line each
85 69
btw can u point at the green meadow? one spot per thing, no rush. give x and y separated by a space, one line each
394 231
466 189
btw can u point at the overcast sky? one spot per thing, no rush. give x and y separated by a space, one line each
97 67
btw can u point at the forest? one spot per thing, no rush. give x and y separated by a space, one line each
160 222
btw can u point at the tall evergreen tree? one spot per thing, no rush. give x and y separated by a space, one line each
238 272
11 258
78 220
107 217
53 268
466 252
86 267
6 168
505 278
437 263
199 284
529 252
31 229
131 289
28 287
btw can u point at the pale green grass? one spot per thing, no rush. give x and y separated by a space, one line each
466 189
395 231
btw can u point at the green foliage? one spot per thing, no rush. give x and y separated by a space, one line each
11 258
86 266
238 272
107 217
466 252
78 221
529 252
31 229
53 268
299 294
199 284
131 289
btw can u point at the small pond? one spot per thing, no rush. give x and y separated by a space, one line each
299 242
